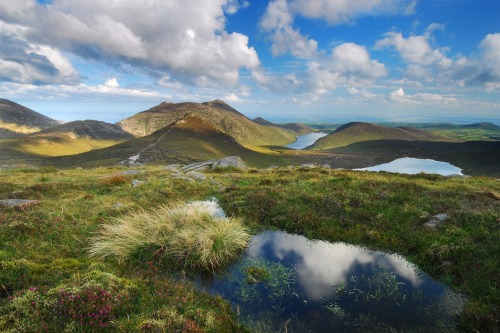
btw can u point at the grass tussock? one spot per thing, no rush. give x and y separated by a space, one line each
196 234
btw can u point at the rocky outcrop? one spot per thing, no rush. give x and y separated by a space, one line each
435 221
226 162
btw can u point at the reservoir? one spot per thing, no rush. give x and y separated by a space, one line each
412 166
306 140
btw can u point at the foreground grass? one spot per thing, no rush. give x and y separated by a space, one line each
44 262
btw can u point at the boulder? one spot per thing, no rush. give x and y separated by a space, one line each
230 161
173 167
198 176
191 180
436 221
136 182
18 203
198 165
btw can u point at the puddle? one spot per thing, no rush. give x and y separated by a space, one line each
412 166
287 283
306 140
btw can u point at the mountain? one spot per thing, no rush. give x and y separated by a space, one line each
483 125
90 129
360 132
67 139
220 115
188 139
298 128
17 120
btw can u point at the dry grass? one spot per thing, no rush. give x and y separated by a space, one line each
198 234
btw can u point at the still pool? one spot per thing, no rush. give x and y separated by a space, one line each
286 282
412 166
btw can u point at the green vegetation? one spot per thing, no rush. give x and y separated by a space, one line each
44 266
356 132
220 115
191 234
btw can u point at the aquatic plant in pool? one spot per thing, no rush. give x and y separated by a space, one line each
320 287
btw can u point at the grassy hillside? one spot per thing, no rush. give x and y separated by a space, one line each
189 139
45 264
220 115
298 128
361 132
67 139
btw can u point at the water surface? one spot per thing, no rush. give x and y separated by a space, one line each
306 140
412 166
286 281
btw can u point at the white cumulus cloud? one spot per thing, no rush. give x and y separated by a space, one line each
183 38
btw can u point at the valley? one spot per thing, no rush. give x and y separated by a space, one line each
125 218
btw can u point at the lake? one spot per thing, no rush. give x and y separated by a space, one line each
412 166
286 282
306 140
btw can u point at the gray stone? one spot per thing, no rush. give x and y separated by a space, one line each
136 182
436 221
18 202
197 165
118 205
308 165
326 166
191 180
230 161
173 167
198 176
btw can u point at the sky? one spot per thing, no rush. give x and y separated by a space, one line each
283 60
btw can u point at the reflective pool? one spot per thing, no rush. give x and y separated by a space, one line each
412 166
288 283
306 140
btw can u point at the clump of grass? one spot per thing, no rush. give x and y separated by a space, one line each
115 180
196 234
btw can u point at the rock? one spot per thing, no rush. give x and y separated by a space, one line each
118 205
326 166
272 167
308 165
198 165
230 161
18 203
436 221
198 176
129 172
173 167
191 180
136 182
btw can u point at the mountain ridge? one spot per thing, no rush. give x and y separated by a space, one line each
17 120
222 116
361 132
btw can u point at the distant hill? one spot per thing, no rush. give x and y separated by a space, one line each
17 120
361 132
90 129
298 128
188 139
483 125
67 139
474 157
220 115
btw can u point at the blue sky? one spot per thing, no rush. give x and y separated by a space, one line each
284 60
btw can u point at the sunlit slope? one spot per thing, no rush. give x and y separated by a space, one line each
186 140
361 132
17 120
218 114
68 139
